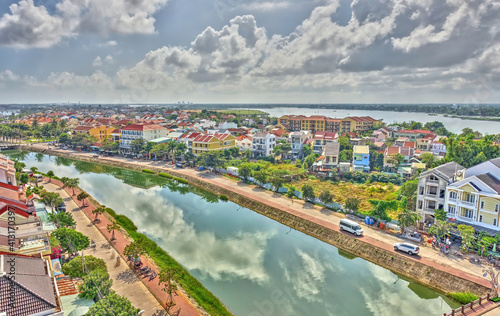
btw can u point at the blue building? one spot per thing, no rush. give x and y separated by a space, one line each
361 158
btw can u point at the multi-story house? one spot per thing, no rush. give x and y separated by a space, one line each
330 156
424 144
317 123
297 141
213 142
413 134
263 144
146 132
432 186
320 139
437 147
244 142
100 132
7 171
475 199
361 158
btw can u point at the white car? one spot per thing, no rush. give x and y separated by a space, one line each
407 247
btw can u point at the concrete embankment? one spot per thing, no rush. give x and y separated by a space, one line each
432 274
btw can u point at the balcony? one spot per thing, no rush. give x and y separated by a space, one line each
468 203
432 181
465 219
429 209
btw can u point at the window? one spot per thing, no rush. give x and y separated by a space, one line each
420 190
482 204
496 208
420 204
494 222
469 213
451 209
481 218
453 195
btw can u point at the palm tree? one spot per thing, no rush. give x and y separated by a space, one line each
98 211
170 148
111 229
167 277
34 169
73 183
81 197
407 218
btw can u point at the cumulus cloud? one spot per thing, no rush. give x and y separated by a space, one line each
266 6
28 25
97 62
388 49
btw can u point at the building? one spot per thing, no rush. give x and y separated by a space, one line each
189 139
331 155
263 144
413 134
146 132
213 142
424 144
438 148
99 132
244 142
320 139
34 288
317 123
297 141
432 186
361 158
7 171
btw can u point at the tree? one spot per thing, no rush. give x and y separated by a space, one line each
111 229
135 249
51 199
73 183
245 171
468 236
63 219
167 277
137 145
71 240
98 211
407 218
112 304
19 166
64 138
278 178
64 181
397 159
81 197
428 159
409 191
326 197
352 204
50 174
307 150
485 243
261 176
75 267
24 178
291 192
440 214
440 228
96 285
307 192
344 143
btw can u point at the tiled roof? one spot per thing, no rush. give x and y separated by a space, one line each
142 127
490 181
203 138
83 128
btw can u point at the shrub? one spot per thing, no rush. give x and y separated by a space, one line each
111 212
224 198
495 299
165 175
180 180
463 297
148 171
125 222
74 267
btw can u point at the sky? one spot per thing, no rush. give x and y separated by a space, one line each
250 51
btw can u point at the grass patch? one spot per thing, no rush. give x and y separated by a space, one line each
125 222
463 297
224 198
165 175
495 299
148 171
180 180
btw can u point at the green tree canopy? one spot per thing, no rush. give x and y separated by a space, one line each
111 305
96 285
245 171
71 240
352 204
468 236
63 219
75 268
307 192
326 197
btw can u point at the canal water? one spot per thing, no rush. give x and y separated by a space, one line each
454 125
256 266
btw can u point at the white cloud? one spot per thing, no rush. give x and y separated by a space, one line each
30 26
266 6
97 62
111 43
109 59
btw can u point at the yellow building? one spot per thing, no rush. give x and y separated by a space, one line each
475 200
213 142
99 132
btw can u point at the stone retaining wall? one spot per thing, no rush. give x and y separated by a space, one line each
437 279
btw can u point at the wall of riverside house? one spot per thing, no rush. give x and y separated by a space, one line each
396 262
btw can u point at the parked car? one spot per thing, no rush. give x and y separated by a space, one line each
95 156
351 226
407 247
180 164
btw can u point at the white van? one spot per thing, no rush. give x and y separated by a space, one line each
351 226
38 177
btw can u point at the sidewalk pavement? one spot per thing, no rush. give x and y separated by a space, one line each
144 294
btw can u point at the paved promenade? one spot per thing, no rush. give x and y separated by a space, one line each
144 294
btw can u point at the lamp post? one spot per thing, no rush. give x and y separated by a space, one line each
493 281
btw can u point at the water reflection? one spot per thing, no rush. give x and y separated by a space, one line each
256 266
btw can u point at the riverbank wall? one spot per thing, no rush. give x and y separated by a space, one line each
438 279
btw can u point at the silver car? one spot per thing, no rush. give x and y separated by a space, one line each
407 247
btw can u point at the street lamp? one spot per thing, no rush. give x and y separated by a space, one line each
493 281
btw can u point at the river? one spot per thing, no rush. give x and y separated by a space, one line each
256 266
454 125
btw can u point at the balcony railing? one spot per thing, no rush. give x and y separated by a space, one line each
464 218
469 203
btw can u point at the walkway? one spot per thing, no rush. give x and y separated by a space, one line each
144 295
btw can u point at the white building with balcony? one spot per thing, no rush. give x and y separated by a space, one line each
146 132
297 141
263 144
432 186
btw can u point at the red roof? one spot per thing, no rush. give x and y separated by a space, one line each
203 138
409 144
83 128
142 127
221 136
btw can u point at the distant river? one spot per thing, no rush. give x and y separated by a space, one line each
254 265
454 125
